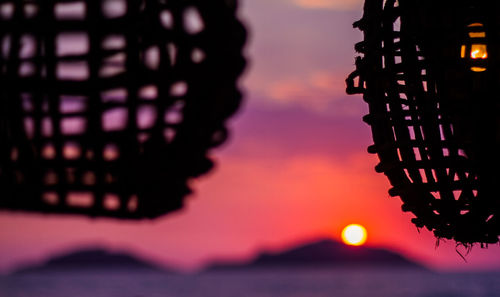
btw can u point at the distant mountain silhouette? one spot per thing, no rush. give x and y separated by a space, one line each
93 259
324 254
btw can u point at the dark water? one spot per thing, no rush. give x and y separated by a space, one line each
304 283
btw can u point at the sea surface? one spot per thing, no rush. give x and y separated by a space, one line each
277 283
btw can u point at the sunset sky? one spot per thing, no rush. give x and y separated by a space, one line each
294 169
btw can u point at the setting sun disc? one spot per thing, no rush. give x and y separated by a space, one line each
354 234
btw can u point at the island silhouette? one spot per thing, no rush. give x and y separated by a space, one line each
318 254
323 253
93 259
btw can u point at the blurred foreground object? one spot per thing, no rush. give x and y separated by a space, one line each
108 107
430 75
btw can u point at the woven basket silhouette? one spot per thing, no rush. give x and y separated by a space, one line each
108 107
430 75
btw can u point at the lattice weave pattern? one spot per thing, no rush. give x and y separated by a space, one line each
425 75
108 107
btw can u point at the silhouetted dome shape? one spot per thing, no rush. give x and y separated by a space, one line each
108 107
324 254
92 259
430 75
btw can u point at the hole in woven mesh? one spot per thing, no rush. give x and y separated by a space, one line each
108 178
72 70
462 153
111 152
45 104
489 218
50 178
70 175
411 130
179 89
5 45
114 8
117 60
169 134
114 42
72 44
142 138
446 152
436 195
14 154
29 127
356 81
72 104
50 198
474 192
146 117
464 212
423 175
394 132
30 10
152 57
457 194
73 125
111 202
408 174
398 60
80 199
69 11
399 154
416 152
397 24
198 55
425 86
47 127
6 10
115 95
172 53
478 69
89 154
434 175
149 92
133 203
478 51
27 46
174 114
113 65
89 178
48 151
441 131
72 150
27 69
193 22
114 119
167 19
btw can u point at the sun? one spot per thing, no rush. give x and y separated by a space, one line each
354 234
